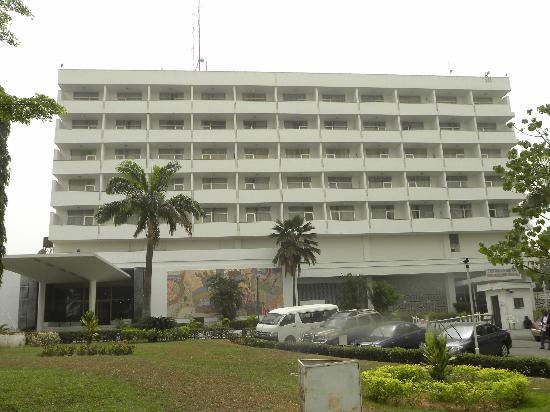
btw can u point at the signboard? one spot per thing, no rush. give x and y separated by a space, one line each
502 273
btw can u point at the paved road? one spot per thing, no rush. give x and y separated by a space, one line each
523 344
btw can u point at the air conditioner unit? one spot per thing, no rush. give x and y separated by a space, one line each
250 217
119 157
489 183
331 156
460 155
304 156
178 187
333 185
409 156
88 220
90 157
89 188
389 214
306 185
206 156
308 216
484 156
384 155
415 214
249 155
249 186
206 186
387 185
120 127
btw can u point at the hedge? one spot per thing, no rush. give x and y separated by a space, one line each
112 348
529 366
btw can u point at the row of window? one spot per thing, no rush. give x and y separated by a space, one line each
171 124
291 97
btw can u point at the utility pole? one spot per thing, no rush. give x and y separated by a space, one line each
467 263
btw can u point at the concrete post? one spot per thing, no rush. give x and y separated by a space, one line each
92 295
450 291
41 307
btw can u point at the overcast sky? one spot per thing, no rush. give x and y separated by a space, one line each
363 36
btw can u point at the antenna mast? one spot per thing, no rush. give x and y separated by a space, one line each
199 24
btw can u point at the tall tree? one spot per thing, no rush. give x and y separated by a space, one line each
353 293
226 295
145 198
296 244
15 110
382 295
527 245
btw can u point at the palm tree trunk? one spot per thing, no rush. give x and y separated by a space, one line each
4 179
148 275
293 272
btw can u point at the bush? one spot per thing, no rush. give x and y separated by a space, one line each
156 322
436 355
42 338
529 366
466 387
115 348
91 326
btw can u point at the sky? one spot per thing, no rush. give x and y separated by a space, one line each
504 37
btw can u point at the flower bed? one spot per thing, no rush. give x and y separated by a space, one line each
114 348
465 388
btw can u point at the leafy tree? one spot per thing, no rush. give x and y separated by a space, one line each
527 245
226 295
145 198
382 295
15 109
296 245
353 292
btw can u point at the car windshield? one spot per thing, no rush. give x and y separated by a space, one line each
384 331
271 319
459 331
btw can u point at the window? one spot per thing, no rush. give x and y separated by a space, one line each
483 100
457 181
85 95
334 98
297 153
382 212
89 154
171 124
493 181
294 97
128 96
452 126
518 303
499 210
380 182
84 124
368 98
82 185
256 153
412 153
419 181
454 242
412 125
171 96
380 153
254 97
342 213
305 212
453 153
214 154
446 99
409 99
215 215
422 211
339 182
122 154
170 154
128 124
258 214
335 124
256 183
81 217
487 127
461 211
298 182
255 124
213 124
287 320
210 183
213 96
374 126
333 153
490 153
295 124
177 185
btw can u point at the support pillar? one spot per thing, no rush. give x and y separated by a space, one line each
92 295
450 291
41 306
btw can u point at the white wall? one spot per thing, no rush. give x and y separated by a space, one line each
9 299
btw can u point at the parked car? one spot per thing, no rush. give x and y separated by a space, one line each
289 324
491 339
394 334
348 323
536 330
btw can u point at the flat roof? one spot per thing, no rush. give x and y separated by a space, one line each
64 267
304 308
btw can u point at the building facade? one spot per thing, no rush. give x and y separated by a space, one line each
394 172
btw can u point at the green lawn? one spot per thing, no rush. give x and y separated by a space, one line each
191 375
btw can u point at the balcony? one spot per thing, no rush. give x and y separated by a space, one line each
382 108
260 196
448 109
109 166
70 232
431 225
390 226
258 165
299 135
212 166
169 136
126 106
255 107
379 136
112 232
345 227
490 163
495 110
305 107
427 193
393 194
467 164
75 167
458 136
472 224
338 108
424 164
213 106
502 223
301 165
350 164
346 195
215 196
73 198
77 136
341 135
498 193
466 193
421 136
498 137
417 109
313 195
262 229
125 136
169 106
391 164
216 135
82 106
217 229
257 135
184 163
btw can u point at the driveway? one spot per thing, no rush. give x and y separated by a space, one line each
523 344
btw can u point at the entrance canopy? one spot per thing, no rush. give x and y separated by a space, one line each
64 268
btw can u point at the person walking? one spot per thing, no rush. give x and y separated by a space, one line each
545 329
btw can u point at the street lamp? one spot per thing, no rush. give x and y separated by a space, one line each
258 274
467 263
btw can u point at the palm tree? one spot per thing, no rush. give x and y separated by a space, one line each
145 198
296 245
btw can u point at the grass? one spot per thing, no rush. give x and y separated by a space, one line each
190 375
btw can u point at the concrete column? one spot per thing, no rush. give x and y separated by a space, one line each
41 307
92 295
450 291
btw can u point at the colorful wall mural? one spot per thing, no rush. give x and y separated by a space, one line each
188 295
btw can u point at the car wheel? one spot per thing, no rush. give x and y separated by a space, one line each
504 350
290 339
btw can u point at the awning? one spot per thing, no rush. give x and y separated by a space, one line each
64 267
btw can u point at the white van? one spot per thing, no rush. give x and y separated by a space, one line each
289 324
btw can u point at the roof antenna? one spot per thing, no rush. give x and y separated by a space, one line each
450 70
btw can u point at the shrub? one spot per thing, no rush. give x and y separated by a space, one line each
467 386
114 348
436 355
42 338
91 326
157 322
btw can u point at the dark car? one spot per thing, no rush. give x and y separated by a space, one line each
347 323
394 334
491 339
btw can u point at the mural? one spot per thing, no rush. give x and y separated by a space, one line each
188 295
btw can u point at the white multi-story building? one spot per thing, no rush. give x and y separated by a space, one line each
394 172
